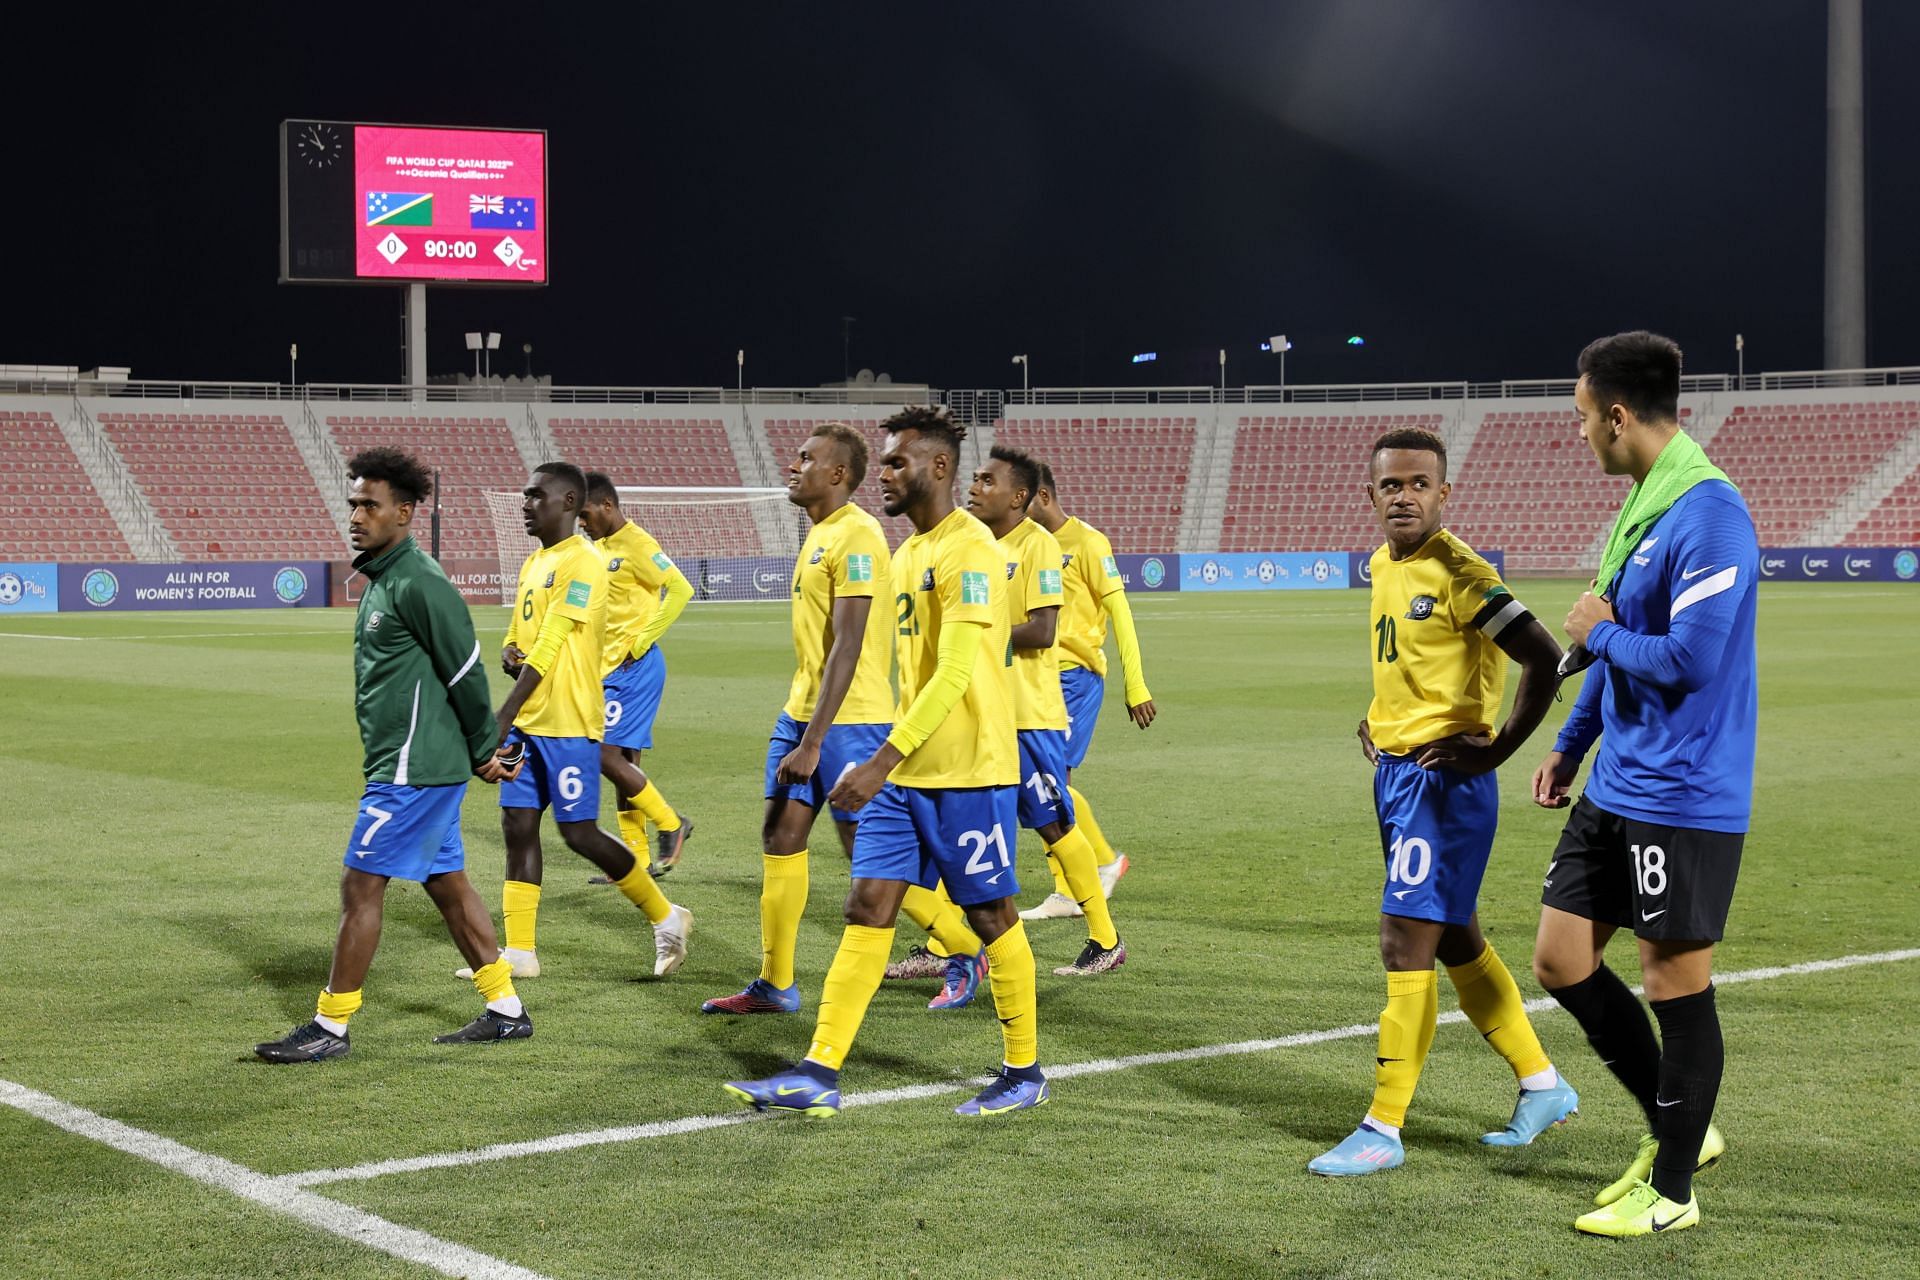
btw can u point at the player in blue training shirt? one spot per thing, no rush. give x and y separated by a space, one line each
1654 843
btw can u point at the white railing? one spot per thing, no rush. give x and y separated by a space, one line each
20 380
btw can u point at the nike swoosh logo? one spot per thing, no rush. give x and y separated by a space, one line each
569 808
361 853
1400 895
995 877
1689 577
788 1090
1644 917
1664 1103
1662 1226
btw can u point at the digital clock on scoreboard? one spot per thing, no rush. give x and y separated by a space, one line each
380 203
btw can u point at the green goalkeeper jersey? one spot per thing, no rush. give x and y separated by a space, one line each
420 690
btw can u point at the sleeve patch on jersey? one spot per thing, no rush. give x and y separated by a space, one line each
578 593
661 562
1111 565
1049 582
859 568
973 587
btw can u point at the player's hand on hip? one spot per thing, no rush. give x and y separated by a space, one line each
1367 749
511 659
1468 753
797 765
1589 611
1143 713
857 786
1553 780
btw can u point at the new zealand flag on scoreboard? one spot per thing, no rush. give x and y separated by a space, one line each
511 213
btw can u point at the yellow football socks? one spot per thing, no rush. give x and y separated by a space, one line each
655 807
1060 885
1090 827
1075 856
520 911
783 899
643 893
496 985
855 975
1010 974
1491 1000
335 1007
944 922
633 833
1406 1034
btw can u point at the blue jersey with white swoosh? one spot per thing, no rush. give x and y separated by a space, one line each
1674 699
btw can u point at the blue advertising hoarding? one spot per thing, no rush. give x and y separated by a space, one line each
1266 571
1150 573
29 588
256 584
1840 564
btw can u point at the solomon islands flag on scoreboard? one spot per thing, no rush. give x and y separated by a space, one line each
509 213
399 209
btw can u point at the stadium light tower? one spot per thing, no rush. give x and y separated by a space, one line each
473 345
740 372
493 345
1278 344
1026 367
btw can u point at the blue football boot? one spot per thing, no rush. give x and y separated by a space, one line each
1011 1090
1363 1151
1537 1111
807 1090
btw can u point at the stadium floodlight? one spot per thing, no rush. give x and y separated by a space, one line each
1279 345
493 345
1026 367
473 345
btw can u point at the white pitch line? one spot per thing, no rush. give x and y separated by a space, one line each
179 635
316 1211
915 1092
38 635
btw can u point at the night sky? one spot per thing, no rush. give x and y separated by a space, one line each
1476 186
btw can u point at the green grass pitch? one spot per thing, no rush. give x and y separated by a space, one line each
179 788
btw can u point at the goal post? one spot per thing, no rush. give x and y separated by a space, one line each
732 543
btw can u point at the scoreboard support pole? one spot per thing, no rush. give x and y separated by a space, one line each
416 306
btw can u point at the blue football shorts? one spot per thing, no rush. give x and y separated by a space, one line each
633 692
1084 689
1436 833
962 835
845 746
1043 778
409 833
563 773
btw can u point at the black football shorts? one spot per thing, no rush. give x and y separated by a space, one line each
1662 882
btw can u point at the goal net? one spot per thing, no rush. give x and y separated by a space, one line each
733 544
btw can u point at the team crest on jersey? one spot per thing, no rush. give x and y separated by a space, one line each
926 581
818 552
613 565
1013 567
1422 608
548 584
1065 560
373 620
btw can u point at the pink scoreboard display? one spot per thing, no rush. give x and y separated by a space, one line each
449 204
364 203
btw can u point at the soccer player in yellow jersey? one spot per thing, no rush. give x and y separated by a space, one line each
1443 628
553 720
1001 493
1095 594
939 794
840 705
645 594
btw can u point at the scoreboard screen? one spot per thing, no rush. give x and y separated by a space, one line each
379 204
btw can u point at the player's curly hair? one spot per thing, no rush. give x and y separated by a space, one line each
1416 438
935 423
567 474
1025 468
1046 480
405 474
848 438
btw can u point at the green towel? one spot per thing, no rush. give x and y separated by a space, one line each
1680 466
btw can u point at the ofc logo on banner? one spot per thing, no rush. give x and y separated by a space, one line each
1840 564
29 588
